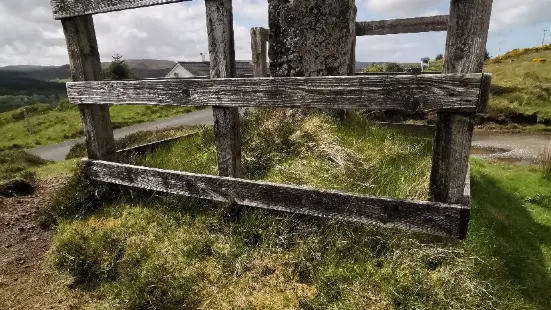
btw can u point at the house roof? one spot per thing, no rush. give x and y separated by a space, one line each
202 68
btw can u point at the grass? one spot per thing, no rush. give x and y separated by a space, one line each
546 161
355 156
138 138
521 89
520 86
52 126
136 249
18 164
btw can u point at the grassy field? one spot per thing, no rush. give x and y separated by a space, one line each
55 125
521 87
140 250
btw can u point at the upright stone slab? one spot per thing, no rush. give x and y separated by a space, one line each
312 37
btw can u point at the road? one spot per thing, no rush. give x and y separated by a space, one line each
513 148
57 152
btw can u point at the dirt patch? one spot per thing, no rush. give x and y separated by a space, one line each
22 240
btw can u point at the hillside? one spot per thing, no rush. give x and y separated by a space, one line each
521 90
143 68
521 87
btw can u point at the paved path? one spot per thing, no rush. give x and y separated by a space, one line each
58 151
517 148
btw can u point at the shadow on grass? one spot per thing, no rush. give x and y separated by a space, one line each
504 229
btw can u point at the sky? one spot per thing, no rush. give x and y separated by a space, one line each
30 36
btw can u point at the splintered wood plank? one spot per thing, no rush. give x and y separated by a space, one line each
71 8
405 25
427 217
86 66
393 92
227 135
469 21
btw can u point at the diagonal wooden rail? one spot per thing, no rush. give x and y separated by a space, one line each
72 8
421 216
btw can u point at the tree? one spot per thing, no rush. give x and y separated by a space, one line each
487 55
375 68
118 69
394 67
439 57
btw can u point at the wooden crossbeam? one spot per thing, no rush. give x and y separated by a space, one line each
439 92
421 216
71 8
405 25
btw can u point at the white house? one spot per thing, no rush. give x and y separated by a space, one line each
425 63
202 68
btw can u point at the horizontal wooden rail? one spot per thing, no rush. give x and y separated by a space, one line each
428 217
405 25
416 93
71 8
397 73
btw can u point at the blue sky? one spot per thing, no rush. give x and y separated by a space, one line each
29 35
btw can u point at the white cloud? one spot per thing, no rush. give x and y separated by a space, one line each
403 8
510 14
174 32
178 32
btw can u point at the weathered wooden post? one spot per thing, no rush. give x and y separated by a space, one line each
469 21
259 40
222 65
312 37
27 121
86 66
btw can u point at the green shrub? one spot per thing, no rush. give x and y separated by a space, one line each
90 255
394 67
15 164
79 197
34 109
375 68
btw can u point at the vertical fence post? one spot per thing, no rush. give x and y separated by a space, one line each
259 41
28 121
86 66
222 65
468 25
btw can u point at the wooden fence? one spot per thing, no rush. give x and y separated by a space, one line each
456 95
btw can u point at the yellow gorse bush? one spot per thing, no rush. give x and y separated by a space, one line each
521 51
539 60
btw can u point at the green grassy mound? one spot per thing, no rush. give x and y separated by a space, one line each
53 125
521 87
133 249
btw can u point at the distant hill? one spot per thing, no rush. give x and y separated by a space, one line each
15 83
143 68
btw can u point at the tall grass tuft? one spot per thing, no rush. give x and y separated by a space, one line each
546 161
